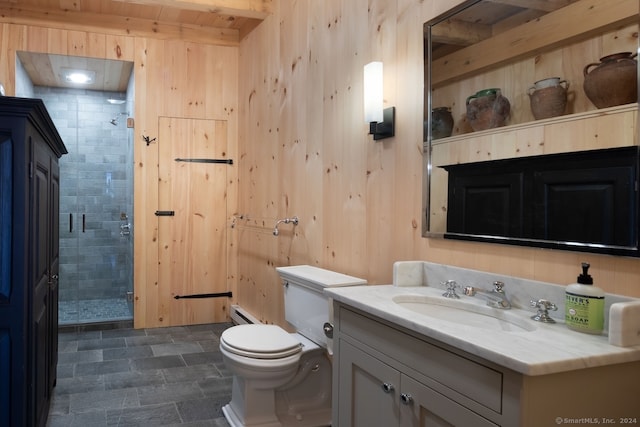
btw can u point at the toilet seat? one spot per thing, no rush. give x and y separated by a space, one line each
260 342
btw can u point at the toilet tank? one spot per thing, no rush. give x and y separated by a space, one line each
306 305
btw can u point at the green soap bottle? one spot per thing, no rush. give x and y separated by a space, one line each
584 305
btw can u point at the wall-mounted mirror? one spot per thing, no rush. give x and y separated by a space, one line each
531 124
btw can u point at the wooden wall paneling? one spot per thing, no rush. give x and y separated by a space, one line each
145 162
120 47
57 41
313 132
79 43
195 63
354 134
289 134
221 102
344 146
167 234
410 91
12 39
257 273
175 79
37 39
259 148
247 291
149 91
332 196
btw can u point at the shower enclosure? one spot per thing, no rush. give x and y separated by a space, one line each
96 204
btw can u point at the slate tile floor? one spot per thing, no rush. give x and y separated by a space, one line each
141 377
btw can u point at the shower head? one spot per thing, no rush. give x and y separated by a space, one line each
114 121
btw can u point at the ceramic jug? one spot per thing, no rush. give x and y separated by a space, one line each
487 109
612 81
441 122
548 97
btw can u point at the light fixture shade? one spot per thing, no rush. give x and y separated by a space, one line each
82 77
373 87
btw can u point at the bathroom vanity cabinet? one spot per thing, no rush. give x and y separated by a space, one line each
385 374
30 147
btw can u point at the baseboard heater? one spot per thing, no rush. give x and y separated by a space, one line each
240 316
214 295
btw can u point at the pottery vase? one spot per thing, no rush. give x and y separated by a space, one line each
487 109
441 122
548 97
612 81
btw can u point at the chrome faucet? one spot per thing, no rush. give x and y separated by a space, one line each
495 298
451 289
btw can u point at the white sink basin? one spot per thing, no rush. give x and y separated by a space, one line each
465 314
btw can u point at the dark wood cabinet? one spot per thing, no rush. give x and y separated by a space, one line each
588 199
30 147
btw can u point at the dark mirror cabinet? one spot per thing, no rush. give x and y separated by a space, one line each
30 147
531 124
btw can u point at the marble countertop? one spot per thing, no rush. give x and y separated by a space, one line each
547 349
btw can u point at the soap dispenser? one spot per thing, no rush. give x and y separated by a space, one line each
584 304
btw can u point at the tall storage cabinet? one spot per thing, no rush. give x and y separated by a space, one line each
30 147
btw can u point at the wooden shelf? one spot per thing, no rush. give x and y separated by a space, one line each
568 118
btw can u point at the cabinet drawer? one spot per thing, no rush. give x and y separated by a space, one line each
449 371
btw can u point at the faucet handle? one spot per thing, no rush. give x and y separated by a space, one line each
543 307
451 289
498 286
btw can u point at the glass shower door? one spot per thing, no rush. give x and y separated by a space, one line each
96 206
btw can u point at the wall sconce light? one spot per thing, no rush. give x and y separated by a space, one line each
381 120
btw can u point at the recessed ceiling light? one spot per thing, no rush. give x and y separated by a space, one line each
79 76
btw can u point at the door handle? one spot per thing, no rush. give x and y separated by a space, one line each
53 281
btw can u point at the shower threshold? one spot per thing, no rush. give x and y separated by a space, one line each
94 311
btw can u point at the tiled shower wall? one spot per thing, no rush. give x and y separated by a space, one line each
97 184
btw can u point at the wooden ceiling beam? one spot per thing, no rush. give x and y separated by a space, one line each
459 33
256 9
118 25
543 5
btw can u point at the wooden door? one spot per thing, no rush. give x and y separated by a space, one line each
192 221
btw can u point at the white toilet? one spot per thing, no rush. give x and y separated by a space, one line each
282 378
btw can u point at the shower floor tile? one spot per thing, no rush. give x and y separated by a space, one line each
92 311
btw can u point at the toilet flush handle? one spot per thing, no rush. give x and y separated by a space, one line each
328 329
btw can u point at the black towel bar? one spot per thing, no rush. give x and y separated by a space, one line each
215 295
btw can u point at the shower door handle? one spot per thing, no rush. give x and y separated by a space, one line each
70 223
84 222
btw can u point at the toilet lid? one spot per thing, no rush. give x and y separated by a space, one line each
260 341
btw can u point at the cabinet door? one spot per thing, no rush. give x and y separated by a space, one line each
485 203
41 296
422 406
368 390
54 266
